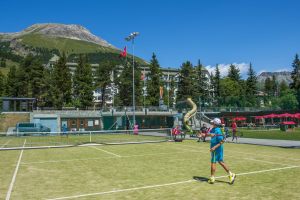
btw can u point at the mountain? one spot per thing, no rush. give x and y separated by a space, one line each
72 31
280 76
46 40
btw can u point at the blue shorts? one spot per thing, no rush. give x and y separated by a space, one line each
217 155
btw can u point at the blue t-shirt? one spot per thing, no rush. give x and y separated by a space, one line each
217 138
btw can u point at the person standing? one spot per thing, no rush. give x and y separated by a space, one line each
203 130
234 131
216 149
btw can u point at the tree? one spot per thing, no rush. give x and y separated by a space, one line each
154 82
295 85
268 86
2 62
2 84
186 86
251 86
283 86
230 92
201 83
125 85
11 83
288 100
36 78
83 83
234 73
62 83
216 85
103 78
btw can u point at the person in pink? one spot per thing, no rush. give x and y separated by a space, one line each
234 131
136 129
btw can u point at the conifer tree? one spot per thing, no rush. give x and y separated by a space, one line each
62 83
11 83
295 85
186 86
83 83
251 86
154 82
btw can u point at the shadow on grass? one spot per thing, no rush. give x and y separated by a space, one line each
204 179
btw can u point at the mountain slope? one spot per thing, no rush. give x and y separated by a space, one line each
45 40
72 31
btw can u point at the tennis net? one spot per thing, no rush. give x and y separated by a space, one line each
68 139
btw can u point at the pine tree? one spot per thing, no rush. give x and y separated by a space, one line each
216 85
295 85
268 86
124 84
234 73
2 62
201 83
83 83
186 86
251 86
154 82
102 78
2 84
36 77
11 83
62 83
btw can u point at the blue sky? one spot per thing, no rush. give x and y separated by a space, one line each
264 32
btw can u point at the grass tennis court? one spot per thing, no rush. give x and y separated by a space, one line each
165 170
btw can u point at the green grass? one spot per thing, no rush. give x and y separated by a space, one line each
271 134
64 172
66 45
38 141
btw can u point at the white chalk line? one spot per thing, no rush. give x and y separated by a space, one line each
99 158
167 184
15 174
5 144
262 155
108 152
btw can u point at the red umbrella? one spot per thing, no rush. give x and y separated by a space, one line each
297 115
239 118
270 116
259 117
286 115
288 123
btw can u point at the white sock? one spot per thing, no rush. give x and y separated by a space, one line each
229 173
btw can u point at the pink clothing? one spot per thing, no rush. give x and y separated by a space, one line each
136 129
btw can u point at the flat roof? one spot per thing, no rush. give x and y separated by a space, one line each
17 98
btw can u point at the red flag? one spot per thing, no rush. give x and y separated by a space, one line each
123 53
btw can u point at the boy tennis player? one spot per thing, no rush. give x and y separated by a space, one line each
216 149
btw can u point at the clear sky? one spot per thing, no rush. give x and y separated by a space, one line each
263 32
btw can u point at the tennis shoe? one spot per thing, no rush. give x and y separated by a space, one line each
232 178
211 180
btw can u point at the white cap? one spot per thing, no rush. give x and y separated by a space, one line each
216 121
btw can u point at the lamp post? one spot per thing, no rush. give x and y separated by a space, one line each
131 38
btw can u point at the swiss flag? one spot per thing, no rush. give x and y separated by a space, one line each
123 53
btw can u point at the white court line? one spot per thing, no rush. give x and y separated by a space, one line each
167 184
5 144
106 151
15 174
99 158
206 151
263 155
